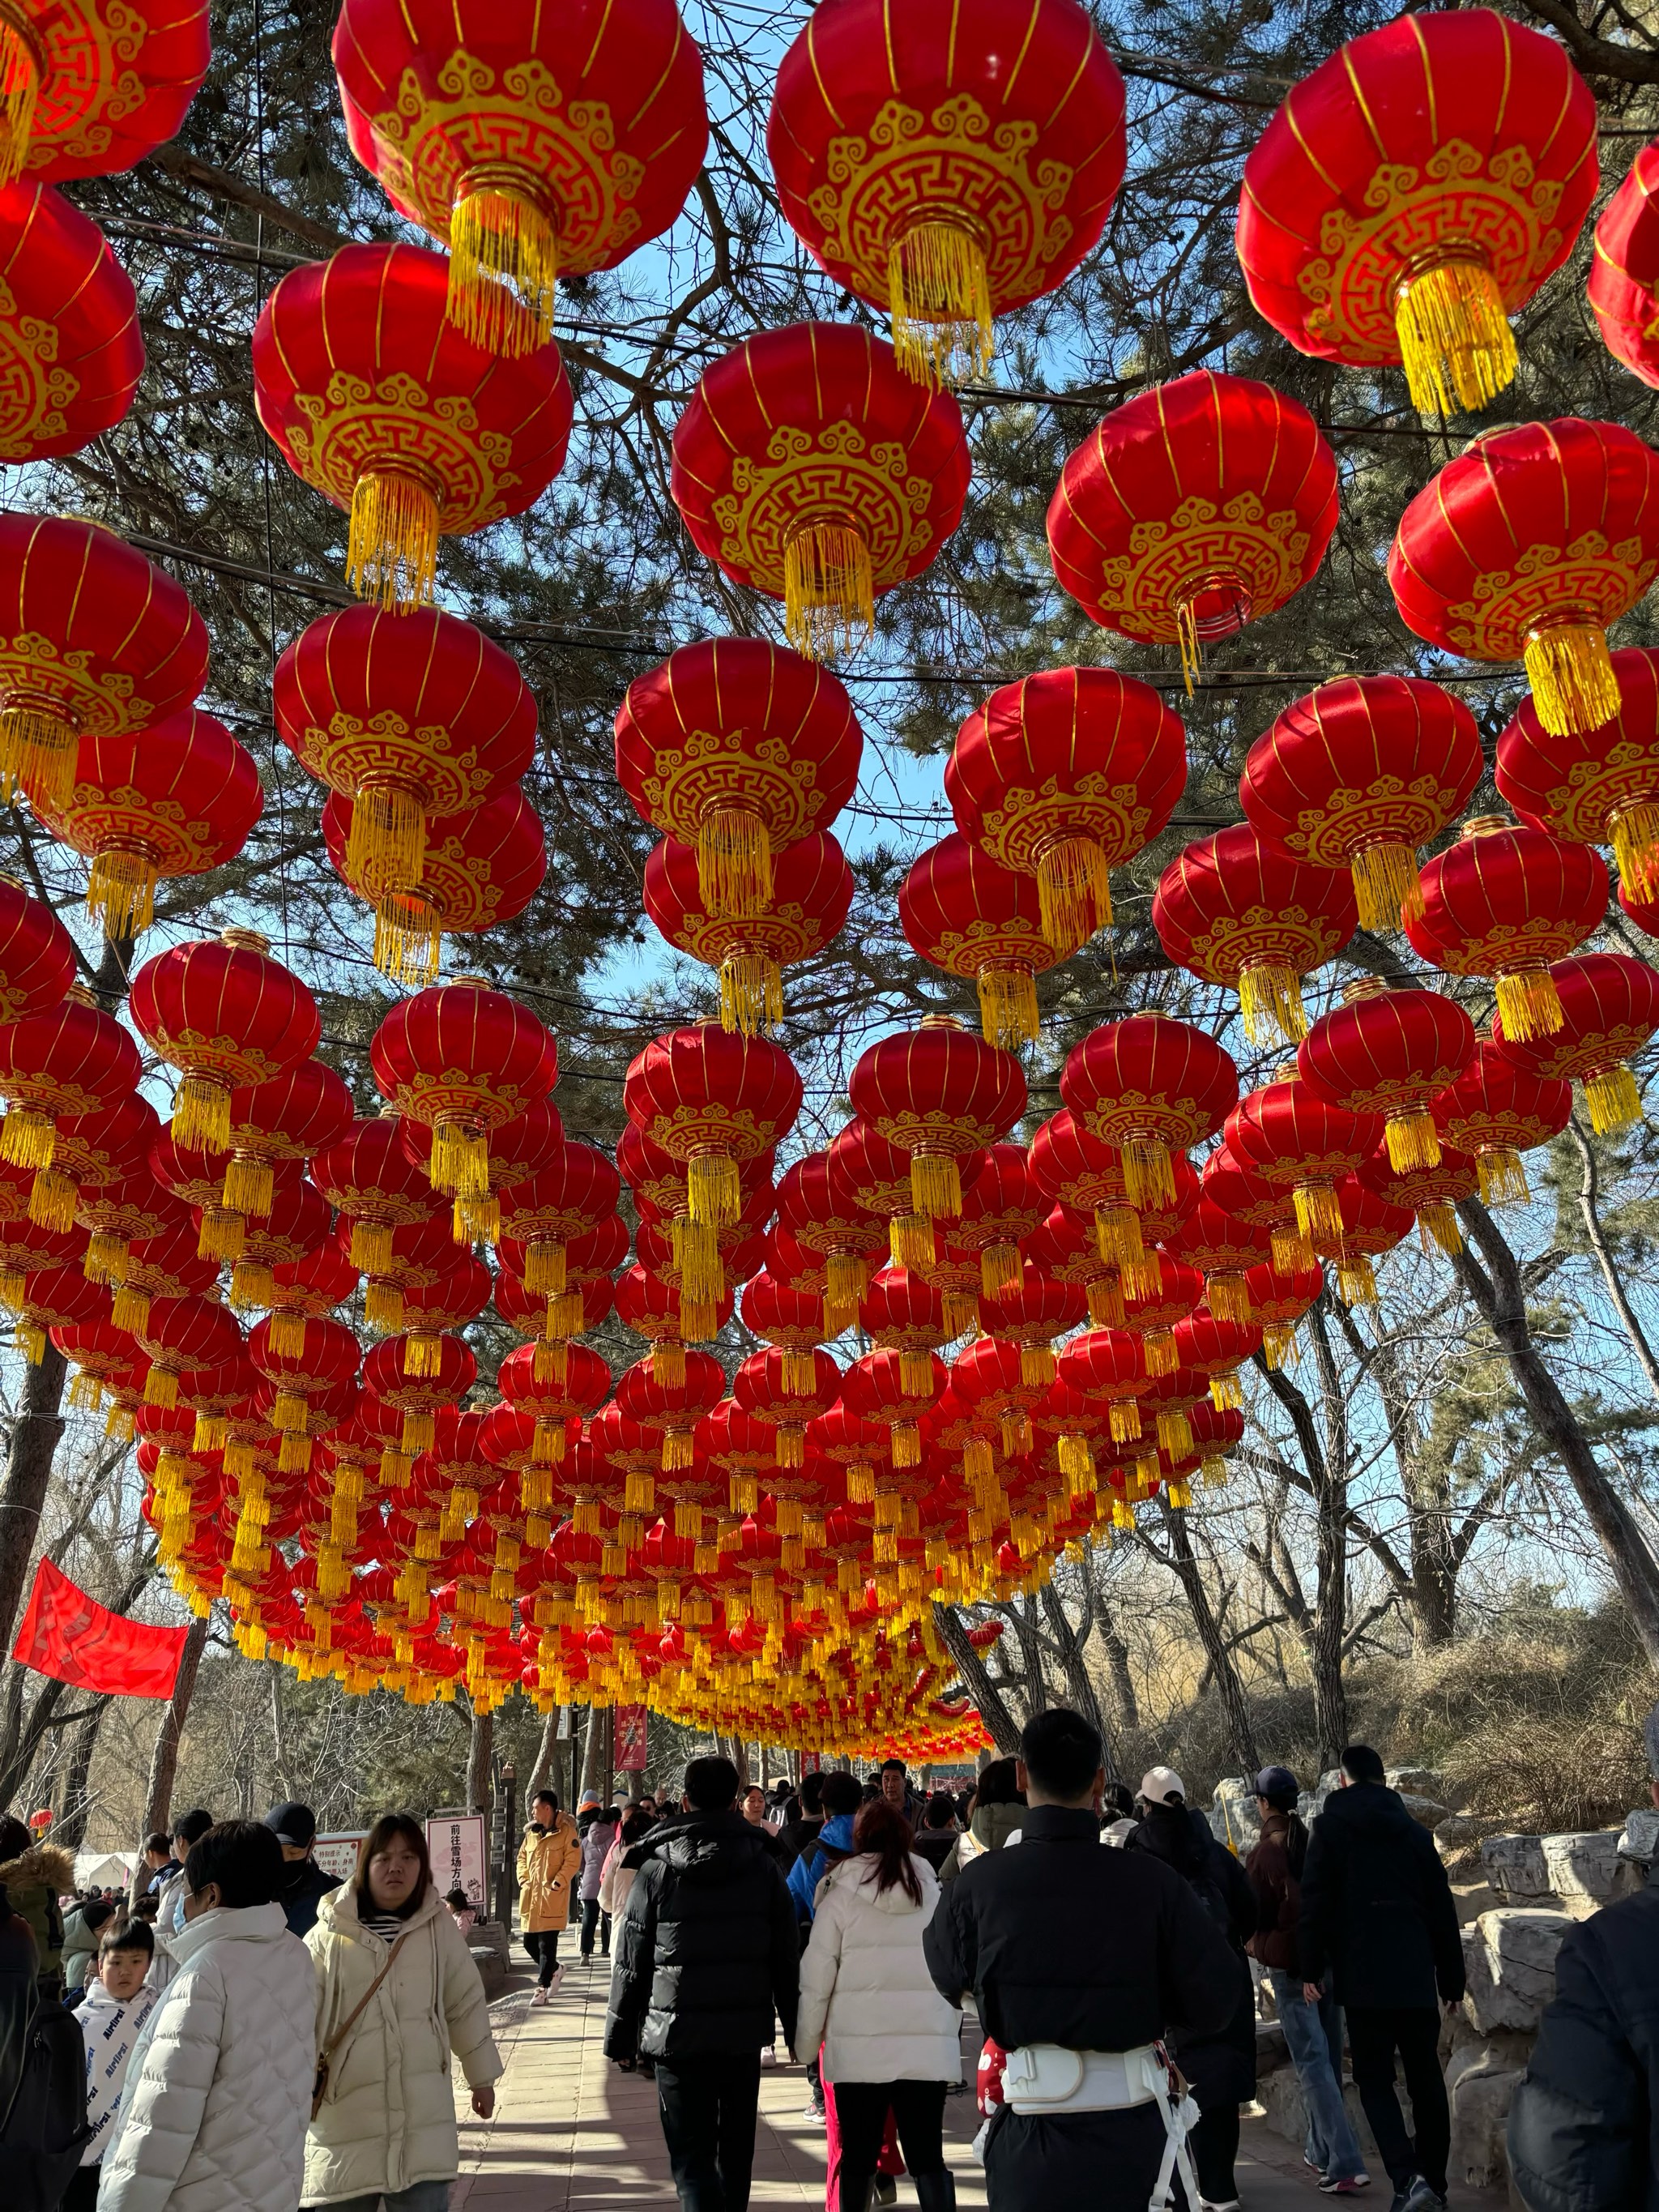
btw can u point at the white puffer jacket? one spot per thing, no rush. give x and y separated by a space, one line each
388 2119
218 2089
866 1991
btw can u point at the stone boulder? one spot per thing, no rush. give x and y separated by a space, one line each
1514 1866
1482 2076
1423 1781
1455 1835
1509 1960
491 1951
1233 1818
1582 1868
1427 1812
1639 1839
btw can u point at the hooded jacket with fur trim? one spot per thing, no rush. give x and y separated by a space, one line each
34 1881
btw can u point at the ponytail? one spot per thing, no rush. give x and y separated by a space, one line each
1296 1844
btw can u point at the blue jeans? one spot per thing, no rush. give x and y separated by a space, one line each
1313 2036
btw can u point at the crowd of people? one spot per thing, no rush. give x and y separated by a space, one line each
241 2032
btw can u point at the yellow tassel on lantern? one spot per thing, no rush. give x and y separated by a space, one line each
752 993
1438 1230
1387 886
250 1186
790 1448
1143 1276
1270 997
1016 1438
1148 1178
392 554
1614 1100
52 1200
910 1240
1278 1343
1000 1268
1074 892
408 938
1160 1350
1412 1141
1117 1234
1503 1177
294 1453
1105 1297
668 1362
1293 1250
383 1305
1174 1434
419 1431
27 1139
1226 1392
121 890
1008 1005
423 1354
370 1250
252 1285
544 1265
734 863
1318 1213
160 1387
829 589
85 1392
1228 1297
714 1188
37 746
201 1113
939 292
639 1486
1634 831
221 1236
936 1186
860 1479
503 260
1124 1421
799 1372
1356 1279
1036 1366
906 1445
1454 337
1528 1004
460 1166
285 1334
551 1363
1571 671
20 83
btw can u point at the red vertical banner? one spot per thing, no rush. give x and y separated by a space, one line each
632 1730
811 1762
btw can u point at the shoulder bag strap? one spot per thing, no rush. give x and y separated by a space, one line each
361 2007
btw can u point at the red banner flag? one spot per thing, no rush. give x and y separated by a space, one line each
70 1636
631 1726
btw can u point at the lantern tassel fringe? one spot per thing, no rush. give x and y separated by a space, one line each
829 589
1528 1004
503 268
1387 886
121 891
938 287
392 555
1614 1100
1074 893
1570 669
751 994
408 938
1413 1140
1634 832
1008 1015
1270 997
1455 338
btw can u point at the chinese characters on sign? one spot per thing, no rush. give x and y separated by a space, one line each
456 1843
631 1730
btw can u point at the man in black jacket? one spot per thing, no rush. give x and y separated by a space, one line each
794 1835
1070 1948
705 1952
1584 2125
304 1883
1377 1915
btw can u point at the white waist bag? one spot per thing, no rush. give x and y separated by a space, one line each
1046 2079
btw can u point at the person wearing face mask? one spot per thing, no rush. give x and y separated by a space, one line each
213 2115
397 1993
169 1895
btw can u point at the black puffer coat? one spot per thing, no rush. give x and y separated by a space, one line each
706 1947
1584 2125
1377 1907
1221 2067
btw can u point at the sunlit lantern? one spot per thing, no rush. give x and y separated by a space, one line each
1150 1085
480 870
937 1093
964 914
1610 1010
1597 787
464 1058
1389 1052
1495 1112
89 90
808 909
225 1015
70 341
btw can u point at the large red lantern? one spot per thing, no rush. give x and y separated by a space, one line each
1225 1247
1609 1009
712 1100
480 869
226 1014
89 90
534 145
306 1110
1390 1053
71 1059
672 1409
1278 1298
1413 193
571 1195
1193 509
896 1390
1359 773
947 166
1433 1194
1297 1138
463 1058
964 914
380 404
177 1335
810 467
1526 547
1625 269
369 1176
760 1386
1506 902
1150 1085
1065 775
1005 1202
822 1213
1085 1173
68 327
1231 909
806 913
92 639
1495 1111
1597 787
937 1093
36 954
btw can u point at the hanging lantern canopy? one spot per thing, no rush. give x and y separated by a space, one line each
937 1093
1296 1137
1432 1194
369 1177
946 167
1224 1247
533 145
71 1059
1610 1010
1389 1052
378 402
1505 902
713 1099
92 639
1064 776
1625 269
1527 547
1358 775
1495 1111
464 1058
1413 193
225 1015
963 914
808 466
1233 910
749 955
1193 509
1150 1085
88 91
1595 786
69 338
760 1387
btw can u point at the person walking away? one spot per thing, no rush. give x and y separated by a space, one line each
1117 1815
1219 2065
1313 2032
35 1876
891 2041
936 1839
119 2000
20 1968
707 1955
615 1883
213 2115
396 1992
1583 2131
550 1860
170 1894
596 1848
305 1884
795 1834
842 1798
997 1812
1079 1960
84 1923
1378 1923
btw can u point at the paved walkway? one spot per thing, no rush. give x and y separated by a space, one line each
572 2134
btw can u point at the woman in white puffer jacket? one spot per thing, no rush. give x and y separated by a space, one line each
891 2041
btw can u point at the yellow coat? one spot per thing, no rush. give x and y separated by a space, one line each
550 1862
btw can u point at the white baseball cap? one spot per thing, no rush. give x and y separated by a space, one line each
1159 1783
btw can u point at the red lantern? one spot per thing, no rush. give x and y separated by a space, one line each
36 954
672 1409
823 1215
307 1290
1609 1009
1625 269
1109 1365
1413 193
306 1110
480 869
68 326
180 1334
463 1058
572 1194
1066 776
586 1387
793 1320
1278 1298
1357 775
810 467
1066 1248
1003 1203
165 1267
303 1227
896 1389
963 914
1032 1312
1150 1085
711 1100
1224 1247
666 1319
1231 909
1527 547
1390 1053
92 639
118 1214
453 1298
52 1298
760 1387
370 1178
70 1059
1496 1111
1504 903
937 1093
1432 1194
749 954
947 166
24 1246
533 145
1193 509
1154 1313
1217 1348
1597 787
1371 1225
89 90
382 406
1085 1173
1296 1137
418 1397
225 1014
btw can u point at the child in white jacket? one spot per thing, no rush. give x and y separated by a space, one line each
118 2000
218 2091
890 2040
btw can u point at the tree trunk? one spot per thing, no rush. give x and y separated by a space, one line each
1241 1736
993 1711
592 1748
34 1442
1500 1297
1117 1658
164 1760
278 1731
1590 1208
70 1827
1079 1687
546 1752
480 1747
